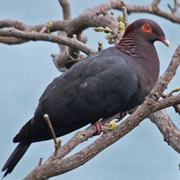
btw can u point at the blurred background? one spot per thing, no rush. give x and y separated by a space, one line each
27 69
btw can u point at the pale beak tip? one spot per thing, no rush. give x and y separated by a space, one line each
164 40
167 43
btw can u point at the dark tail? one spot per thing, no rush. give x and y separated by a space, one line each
15 157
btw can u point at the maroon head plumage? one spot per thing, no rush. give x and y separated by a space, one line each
141 33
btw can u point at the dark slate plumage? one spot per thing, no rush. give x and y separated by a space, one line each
113 80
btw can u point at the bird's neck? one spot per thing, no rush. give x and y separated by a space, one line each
132 46
128 45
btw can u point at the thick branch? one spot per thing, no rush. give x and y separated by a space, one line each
70 26
66 9
55 166
7 23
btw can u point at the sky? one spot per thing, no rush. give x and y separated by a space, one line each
27 69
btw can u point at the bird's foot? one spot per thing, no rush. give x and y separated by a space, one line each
99 127
121 116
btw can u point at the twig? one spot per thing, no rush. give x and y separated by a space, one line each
125 15
125 23
171 93
174 10
48 121
40 161
177 106
167 102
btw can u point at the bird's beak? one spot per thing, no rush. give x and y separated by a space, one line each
164 40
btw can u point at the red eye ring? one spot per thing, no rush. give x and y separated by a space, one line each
146 28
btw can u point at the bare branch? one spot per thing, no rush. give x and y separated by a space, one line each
167 128
66 9
174 10
33 36
156 2
167 102
90 18
11 40
7 23
63 57
124 11
154 9
56 165
48 121
93 17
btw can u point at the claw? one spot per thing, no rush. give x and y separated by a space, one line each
99 127
122 115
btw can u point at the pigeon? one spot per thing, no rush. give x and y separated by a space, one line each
105 83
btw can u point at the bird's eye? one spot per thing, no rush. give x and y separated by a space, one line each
146 28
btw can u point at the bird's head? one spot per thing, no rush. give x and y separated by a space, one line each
148 30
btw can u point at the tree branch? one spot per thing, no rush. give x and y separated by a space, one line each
154 9
34 36
174 10
66 16
61 59
166 126
55 165
93 17
66 9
